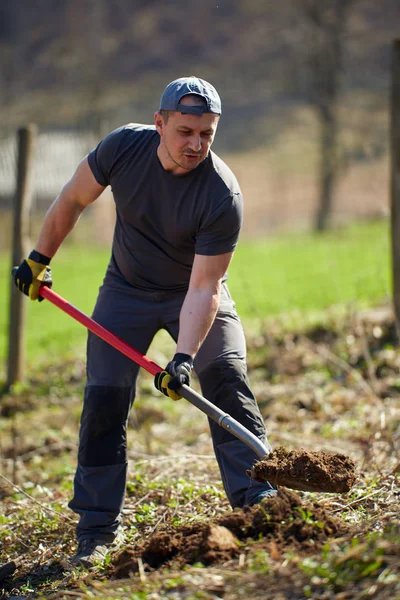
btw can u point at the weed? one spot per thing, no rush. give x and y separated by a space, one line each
258 562
351 564
171 583
27 588
308 517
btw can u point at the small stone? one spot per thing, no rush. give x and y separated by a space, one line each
219 538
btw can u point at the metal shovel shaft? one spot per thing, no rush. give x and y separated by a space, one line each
224 420
213 412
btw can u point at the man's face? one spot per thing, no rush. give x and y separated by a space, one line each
185 140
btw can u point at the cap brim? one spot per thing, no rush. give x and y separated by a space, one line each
198 110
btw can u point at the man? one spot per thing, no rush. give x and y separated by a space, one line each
179 212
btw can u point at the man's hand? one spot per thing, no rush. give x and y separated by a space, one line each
176 374
32 273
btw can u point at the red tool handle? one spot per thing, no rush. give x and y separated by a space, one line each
223 419
99 330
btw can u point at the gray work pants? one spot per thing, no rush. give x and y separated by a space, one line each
136 316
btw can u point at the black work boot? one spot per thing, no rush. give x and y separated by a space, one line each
91 551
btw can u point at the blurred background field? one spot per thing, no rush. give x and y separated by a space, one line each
304 88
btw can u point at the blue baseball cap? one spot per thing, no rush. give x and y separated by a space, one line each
170 100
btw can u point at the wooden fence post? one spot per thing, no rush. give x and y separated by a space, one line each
20 245
395 178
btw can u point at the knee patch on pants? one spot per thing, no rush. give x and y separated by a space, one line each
102 437
226 385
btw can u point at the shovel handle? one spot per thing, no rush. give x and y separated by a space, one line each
99 330
224 420
213 412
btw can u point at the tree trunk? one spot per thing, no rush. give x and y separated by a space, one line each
327 20
327 166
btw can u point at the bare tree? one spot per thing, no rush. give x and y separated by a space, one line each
325 28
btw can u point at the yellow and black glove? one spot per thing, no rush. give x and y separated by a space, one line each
32 273
175 375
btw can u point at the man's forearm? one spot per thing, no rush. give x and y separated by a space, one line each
196 317
60 219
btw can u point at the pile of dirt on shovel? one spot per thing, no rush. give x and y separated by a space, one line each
284 520
305 470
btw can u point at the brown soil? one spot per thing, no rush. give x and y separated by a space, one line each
305 470
279 521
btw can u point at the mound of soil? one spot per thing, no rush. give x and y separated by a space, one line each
284 520
305 470
203 542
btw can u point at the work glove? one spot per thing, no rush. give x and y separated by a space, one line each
175 375
32 273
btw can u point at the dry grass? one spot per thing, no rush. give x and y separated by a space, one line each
334 388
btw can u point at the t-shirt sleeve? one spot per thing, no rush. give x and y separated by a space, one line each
103 157
220 231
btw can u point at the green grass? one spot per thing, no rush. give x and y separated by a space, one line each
291 274
312 272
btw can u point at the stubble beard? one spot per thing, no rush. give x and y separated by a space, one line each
184 166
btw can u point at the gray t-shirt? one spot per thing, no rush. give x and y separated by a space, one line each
163 220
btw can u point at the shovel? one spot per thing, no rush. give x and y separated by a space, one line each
223 419
301 470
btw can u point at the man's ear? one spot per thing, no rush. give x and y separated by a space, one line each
159 122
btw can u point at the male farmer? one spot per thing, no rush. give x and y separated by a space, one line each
179 212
